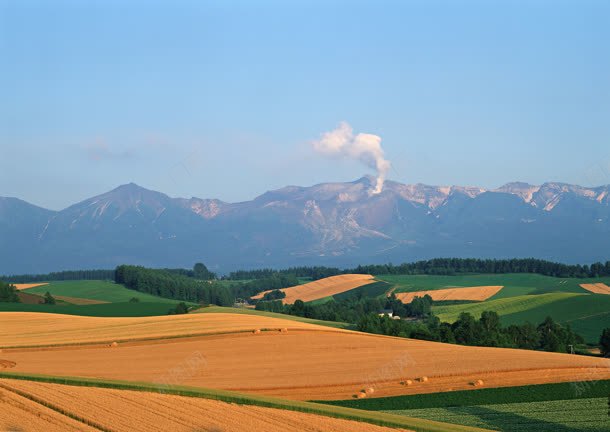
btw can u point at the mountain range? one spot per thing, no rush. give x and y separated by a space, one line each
340 224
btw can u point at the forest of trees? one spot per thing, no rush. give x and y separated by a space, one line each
315 273
451 266
273 281
422 324
61 276
8 293
166 284
436 266
442 266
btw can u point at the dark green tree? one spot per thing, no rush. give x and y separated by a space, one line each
8 293
49 299
604 342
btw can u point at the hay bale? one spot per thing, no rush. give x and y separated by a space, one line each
369 390
478 383
114 345
407 382
284 330
257 331
423 379
361 395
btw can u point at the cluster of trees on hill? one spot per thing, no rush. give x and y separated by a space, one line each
274 281
420 323
486 331
199 271
61 276
451 266
166 284
8 293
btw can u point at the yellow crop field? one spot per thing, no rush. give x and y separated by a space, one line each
322 288
134 411
22 329
24 286
597 288
304 362
479 293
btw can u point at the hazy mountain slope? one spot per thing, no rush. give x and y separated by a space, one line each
328 223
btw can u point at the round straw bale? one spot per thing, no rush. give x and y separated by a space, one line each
361 395
423 379
369 390
257 331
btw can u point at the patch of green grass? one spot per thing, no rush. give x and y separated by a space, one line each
378 418
515 284
486 396
97 310
503 306
588 315
97 290
246 311
586 415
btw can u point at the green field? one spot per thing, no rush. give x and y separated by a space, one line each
525 297
98 310
515 284
587 314
586 415
503 306
220 309
97 290
378 418
558 407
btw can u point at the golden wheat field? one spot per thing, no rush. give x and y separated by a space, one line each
322 288
597 288
479 293
109 409
21 329
297 363
24 286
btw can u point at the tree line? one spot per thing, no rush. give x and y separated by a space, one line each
451 266
441 266
61 276
313 272
166 284
436 266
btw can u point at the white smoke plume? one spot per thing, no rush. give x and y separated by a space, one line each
363 147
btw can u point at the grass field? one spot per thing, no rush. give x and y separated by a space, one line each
26 385
97 290
587 314
93 310
559 407
583 415
515 284
503 306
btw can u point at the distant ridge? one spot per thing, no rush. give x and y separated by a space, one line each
328 223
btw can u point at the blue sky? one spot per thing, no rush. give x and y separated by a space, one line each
222 99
